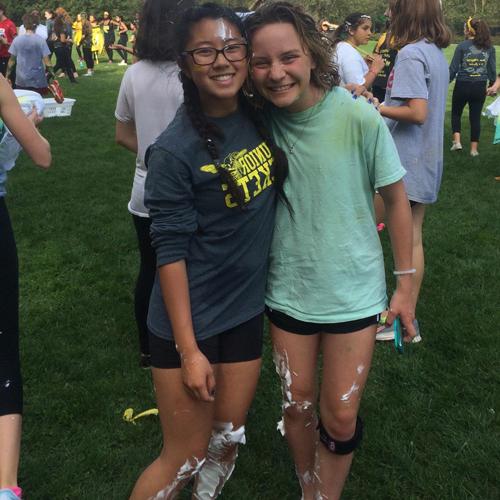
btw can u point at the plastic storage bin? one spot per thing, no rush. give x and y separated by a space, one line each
52 108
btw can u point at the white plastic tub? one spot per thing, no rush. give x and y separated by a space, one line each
52 108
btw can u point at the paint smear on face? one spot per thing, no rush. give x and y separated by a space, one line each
224 31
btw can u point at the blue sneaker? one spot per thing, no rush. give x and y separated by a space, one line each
8 494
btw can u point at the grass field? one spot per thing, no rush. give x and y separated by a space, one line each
432 415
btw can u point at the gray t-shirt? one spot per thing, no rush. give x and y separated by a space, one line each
30 50
150 94
420 72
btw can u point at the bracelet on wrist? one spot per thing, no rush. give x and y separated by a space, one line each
405 271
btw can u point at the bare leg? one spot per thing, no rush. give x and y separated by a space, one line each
346 363
418 213
456 137
10 446
186 426
473 146
295 357
236 385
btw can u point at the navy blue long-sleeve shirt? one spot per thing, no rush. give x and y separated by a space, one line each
195 218
472 64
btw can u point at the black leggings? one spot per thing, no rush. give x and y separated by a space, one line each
109 40
79 51
63 61
145 279
473 94
11 386
89 58
123 40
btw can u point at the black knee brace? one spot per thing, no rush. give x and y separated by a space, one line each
341 447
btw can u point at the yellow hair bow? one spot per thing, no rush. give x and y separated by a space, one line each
472 31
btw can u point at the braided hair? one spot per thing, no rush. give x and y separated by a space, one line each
208 131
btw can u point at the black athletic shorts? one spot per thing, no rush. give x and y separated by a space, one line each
241 343
292 325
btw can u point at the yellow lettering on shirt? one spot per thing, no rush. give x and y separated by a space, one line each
251 171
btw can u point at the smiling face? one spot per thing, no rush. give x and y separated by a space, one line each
362 34
281 68
219 82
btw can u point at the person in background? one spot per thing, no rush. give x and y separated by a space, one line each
108 28
149 96
388 53
123 39
473 63
353 67
97 38
414 109
30 53
62 47
68 22
21 127
40 29
77 38
87 44
8 32
49 23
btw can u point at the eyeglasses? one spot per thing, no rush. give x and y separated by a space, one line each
204 56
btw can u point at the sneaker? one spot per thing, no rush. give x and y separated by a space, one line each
497 178
456 146
474 153
89 73
145 361
122 63
10 493
56 91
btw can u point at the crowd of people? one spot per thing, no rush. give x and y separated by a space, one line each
30 62
259 178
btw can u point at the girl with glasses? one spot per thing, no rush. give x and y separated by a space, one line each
211 191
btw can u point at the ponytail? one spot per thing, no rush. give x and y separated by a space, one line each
480 32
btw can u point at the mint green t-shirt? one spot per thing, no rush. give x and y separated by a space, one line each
326 261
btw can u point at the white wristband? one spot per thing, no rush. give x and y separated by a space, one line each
406 271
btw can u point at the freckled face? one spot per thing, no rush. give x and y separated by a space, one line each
281 67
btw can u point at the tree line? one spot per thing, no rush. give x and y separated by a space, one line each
456 11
